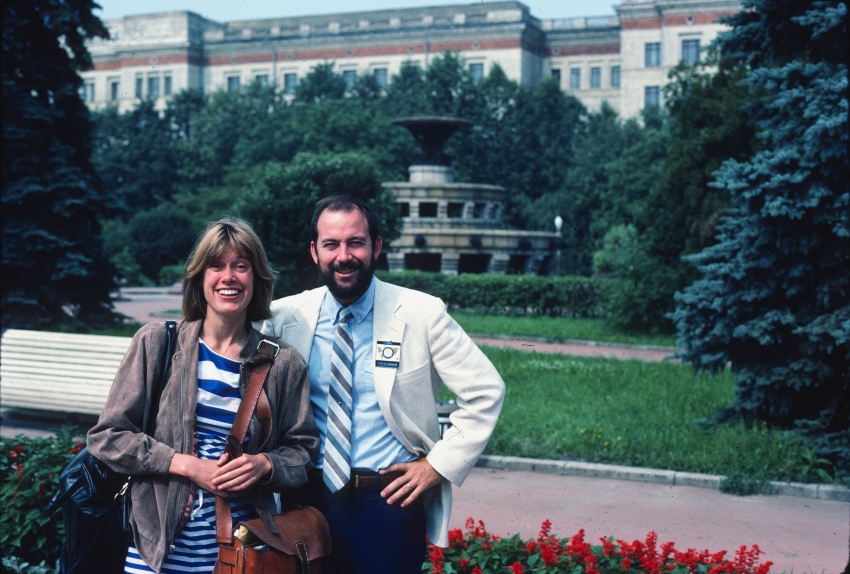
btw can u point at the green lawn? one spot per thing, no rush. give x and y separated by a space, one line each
555 329
631 413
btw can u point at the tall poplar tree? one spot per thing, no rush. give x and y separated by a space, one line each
54 269
774 295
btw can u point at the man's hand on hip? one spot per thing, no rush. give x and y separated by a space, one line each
418 477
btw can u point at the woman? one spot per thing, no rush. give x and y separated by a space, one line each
227 285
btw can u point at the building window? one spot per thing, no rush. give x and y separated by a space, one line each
575 78
289 83
652 54
404 209
478 210
427 209
140 87
87 92
596 77
556 73
166 85
651 96
615 76
114 90
690 51
381 77
350 77
262 79
477 73
232 83
153 87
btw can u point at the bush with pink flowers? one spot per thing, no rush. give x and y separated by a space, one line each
477 551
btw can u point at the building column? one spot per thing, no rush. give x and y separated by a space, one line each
448 263
499 262
395 261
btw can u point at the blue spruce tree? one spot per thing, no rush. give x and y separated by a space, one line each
773 300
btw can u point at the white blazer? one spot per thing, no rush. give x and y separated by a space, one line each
435 351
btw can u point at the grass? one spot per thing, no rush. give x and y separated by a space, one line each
631 413
555 329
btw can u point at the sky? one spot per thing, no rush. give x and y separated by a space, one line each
227 10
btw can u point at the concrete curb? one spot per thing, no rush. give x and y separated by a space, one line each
655 476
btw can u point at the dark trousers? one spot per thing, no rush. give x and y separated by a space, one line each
370 536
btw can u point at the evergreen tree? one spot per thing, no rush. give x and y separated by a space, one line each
774 297
54 268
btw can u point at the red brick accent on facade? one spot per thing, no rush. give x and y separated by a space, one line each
147 61
583 50
673 20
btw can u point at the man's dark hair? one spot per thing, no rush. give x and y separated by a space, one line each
345 203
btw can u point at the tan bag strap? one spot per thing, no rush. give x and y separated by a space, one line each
254 398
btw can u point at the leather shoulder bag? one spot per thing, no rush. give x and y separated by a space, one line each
302 535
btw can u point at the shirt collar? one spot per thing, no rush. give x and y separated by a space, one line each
359 309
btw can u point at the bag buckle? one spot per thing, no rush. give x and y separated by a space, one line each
270 343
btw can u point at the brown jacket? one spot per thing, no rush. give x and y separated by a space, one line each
159 500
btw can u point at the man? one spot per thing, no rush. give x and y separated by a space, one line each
378 355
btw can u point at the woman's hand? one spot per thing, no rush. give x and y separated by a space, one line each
240 473
199 471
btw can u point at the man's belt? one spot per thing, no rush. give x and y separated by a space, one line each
362 478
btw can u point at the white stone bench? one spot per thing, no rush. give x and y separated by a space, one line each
58 372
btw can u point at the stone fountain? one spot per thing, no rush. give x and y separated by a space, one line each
457 227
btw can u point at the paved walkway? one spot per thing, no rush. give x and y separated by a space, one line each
804 530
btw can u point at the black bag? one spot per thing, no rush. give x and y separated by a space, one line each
95 504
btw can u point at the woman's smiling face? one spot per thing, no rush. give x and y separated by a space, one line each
228 284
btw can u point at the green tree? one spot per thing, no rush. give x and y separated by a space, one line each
55 271
320 84
279 204
135 156
773 299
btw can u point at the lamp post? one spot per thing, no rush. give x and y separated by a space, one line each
559 223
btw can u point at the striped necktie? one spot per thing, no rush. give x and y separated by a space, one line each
337 466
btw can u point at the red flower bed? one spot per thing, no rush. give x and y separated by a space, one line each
477 551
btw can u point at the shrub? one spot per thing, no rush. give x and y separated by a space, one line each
510 294
29 475
477 551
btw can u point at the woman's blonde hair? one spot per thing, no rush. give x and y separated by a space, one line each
216 238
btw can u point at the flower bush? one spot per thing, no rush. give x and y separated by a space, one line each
29 475
477 551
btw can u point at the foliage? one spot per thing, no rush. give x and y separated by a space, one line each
54 269
510 294
773 298
134 156
279 204
29 475
160 237
476 551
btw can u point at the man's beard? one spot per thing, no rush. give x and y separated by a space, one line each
355 290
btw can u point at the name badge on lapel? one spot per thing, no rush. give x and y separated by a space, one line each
387 354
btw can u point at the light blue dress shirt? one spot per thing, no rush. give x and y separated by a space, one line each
373 445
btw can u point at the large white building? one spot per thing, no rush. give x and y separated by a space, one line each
622 59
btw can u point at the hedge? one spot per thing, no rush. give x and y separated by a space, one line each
561 296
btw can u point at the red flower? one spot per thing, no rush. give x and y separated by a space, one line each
436 558
464 562
516 568
477 570
545 528
77 448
